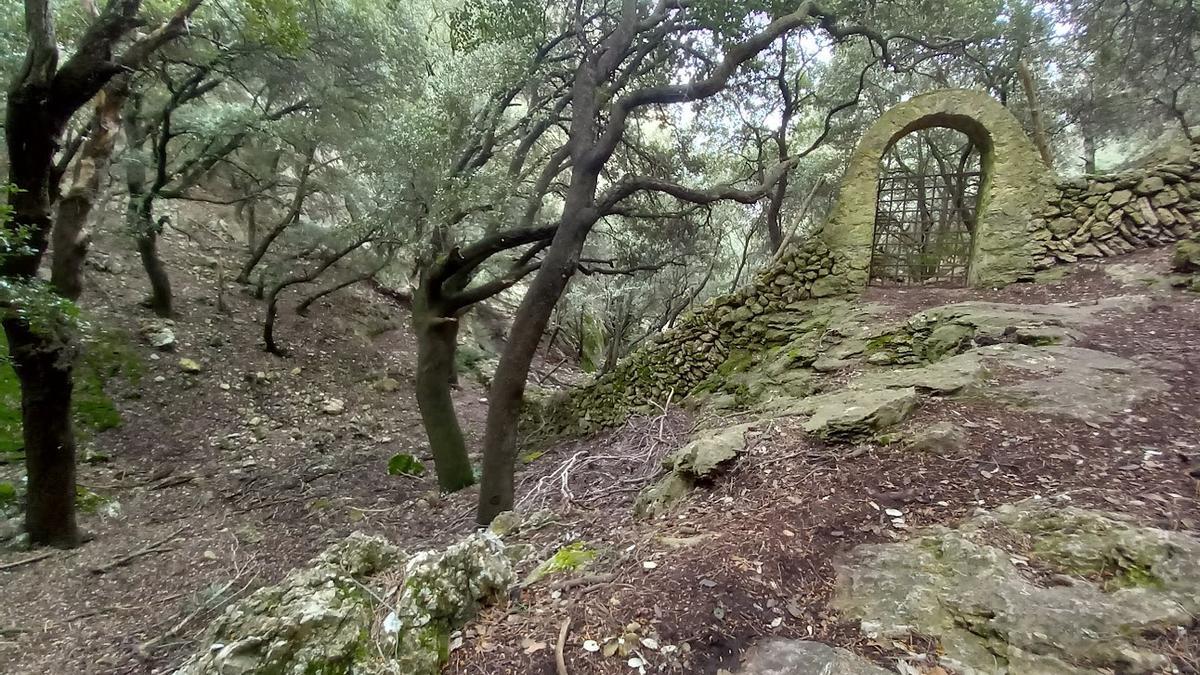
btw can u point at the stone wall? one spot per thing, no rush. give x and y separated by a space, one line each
1088 217
1100 216
761 314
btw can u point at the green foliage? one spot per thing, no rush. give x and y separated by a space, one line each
404 464
569 558
89 501
277 24
8 496
480 22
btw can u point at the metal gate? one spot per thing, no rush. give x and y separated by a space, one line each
924 225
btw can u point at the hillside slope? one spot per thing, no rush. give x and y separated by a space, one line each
219 482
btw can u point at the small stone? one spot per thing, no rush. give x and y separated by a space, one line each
941 438
333 406
159 333
190 366
1149 185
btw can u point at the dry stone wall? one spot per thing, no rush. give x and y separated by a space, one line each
763 313
1088 217
1101 216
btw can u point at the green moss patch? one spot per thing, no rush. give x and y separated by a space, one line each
106 356
570 558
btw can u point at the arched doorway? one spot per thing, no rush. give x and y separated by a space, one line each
925 210
1013 185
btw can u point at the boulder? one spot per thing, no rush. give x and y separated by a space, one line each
441 591
1186 256
804 657
709 450
852 414
1029 588
318 619
941 438
323 618
662 495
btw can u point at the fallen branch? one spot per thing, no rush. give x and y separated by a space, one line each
559 659
586 580
26 561
149 549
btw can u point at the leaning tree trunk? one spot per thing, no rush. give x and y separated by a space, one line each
437 341
44 369
508 384
146 233
1035 113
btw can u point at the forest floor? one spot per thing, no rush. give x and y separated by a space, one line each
219 482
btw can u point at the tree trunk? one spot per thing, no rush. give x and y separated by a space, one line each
508 385
775 213
42 364
1089 152
70 235
269 317
146 234
44 369
1035 113
437 340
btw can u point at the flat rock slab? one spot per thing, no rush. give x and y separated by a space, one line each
804 657
1029 588
1082 383
943 377
853 413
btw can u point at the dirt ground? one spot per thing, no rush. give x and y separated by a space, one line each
225 480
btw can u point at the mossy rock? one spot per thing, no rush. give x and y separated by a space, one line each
570 558
1186 256
981 590
662 495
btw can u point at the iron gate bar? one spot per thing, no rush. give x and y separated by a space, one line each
924 226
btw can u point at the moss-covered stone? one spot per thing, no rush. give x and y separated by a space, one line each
570 558
853 414
1186 256
661 496
322 618
708 451
991 611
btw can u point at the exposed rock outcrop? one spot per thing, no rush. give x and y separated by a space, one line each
804 657
1029 588
325 618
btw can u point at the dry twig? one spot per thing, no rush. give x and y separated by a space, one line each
155 547
559 659
26 561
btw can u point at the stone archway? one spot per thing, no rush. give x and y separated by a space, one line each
1015 188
